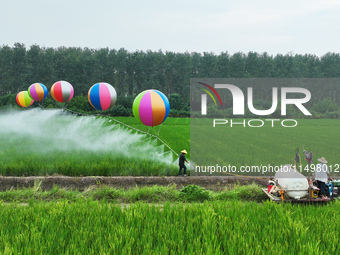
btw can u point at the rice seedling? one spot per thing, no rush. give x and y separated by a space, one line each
234 227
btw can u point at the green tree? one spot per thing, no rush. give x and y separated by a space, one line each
18 69
330 65
6 79
237 65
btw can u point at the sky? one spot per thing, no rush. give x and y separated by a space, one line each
275 27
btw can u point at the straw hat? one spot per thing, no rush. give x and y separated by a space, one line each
184 152
323 160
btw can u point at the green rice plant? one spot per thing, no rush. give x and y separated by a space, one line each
84 164
234 227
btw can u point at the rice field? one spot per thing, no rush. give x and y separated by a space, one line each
47 142
245 146
220 227
38 142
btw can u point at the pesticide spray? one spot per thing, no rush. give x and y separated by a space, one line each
48 131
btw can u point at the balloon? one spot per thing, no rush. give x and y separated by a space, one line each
62 91
37 91
23 99
102 96
151 107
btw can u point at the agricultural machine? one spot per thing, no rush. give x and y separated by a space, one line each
289 185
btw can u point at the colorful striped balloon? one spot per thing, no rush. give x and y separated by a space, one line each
37 91
102 96
151 107
62 91
23 99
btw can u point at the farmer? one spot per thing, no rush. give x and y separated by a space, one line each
322 175
309 156
181 163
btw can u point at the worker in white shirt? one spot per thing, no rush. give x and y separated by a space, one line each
321 175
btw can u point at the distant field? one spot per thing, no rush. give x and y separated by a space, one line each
174 131
246 146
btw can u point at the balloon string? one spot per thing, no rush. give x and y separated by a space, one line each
159 129
122 123
65 105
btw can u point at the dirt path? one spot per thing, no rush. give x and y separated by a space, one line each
80 183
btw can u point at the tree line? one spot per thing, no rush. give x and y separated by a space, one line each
132 72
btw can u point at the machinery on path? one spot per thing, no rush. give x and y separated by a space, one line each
289 185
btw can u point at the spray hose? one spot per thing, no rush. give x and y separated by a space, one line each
126 125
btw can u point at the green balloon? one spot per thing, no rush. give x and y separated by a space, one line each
135 105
